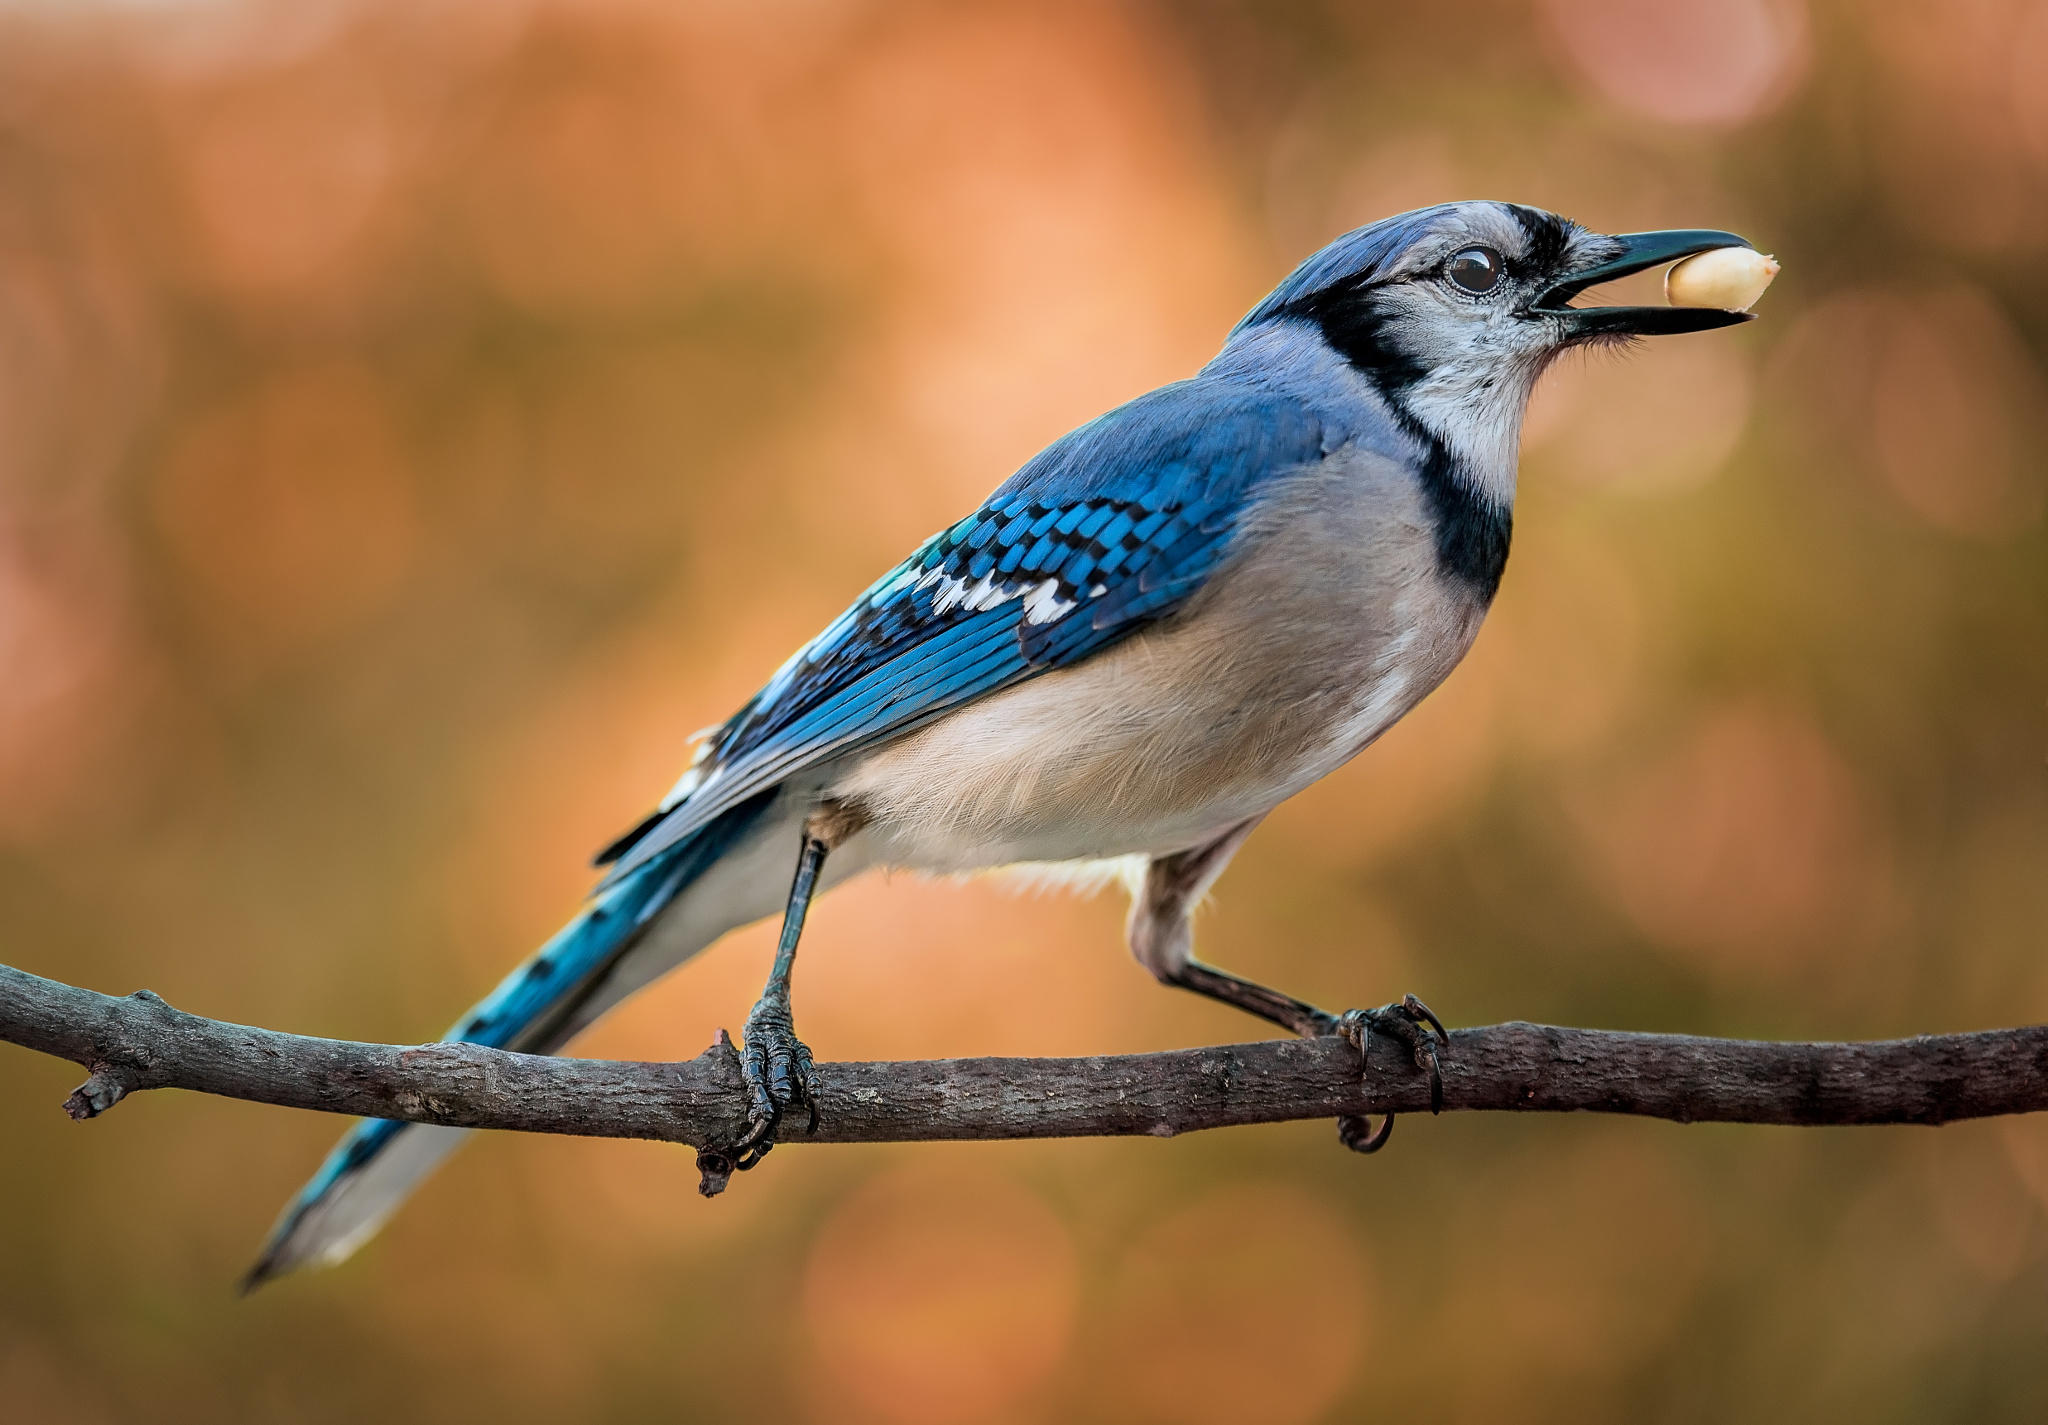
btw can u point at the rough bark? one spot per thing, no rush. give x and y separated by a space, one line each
140 1042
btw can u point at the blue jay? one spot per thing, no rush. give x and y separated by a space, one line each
1166 623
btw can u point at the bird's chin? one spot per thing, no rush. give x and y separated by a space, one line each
1637 252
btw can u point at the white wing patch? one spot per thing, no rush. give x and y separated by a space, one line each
1043 601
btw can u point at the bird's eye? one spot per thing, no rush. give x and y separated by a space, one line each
1476 270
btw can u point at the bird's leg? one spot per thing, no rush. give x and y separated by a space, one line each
1162 937
1267 1003
775 1064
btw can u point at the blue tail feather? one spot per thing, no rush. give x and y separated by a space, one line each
528 1011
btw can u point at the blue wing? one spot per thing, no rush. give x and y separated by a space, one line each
1110 528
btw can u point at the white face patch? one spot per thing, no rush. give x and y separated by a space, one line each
1481 364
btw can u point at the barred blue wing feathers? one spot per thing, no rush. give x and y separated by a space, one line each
1110 528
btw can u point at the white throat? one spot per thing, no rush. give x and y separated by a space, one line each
1477 411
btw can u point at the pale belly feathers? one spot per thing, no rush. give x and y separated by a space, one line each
1332 623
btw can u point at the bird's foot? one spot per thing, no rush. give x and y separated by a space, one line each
1412 1023
776 1067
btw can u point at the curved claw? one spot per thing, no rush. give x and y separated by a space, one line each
1421 1013
1418 1013
1358 1134
809 1087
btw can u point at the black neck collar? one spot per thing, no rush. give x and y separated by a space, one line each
1472 527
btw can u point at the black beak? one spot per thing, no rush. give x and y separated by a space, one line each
1639 251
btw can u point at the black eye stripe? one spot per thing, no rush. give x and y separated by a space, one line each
1477 270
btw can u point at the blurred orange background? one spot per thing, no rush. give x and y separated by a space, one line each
417 418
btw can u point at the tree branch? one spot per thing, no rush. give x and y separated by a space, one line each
140 1042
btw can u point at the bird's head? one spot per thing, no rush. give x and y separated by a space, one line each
1452 312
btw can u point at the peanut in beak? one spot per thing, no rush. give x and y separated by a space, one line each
1731 278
